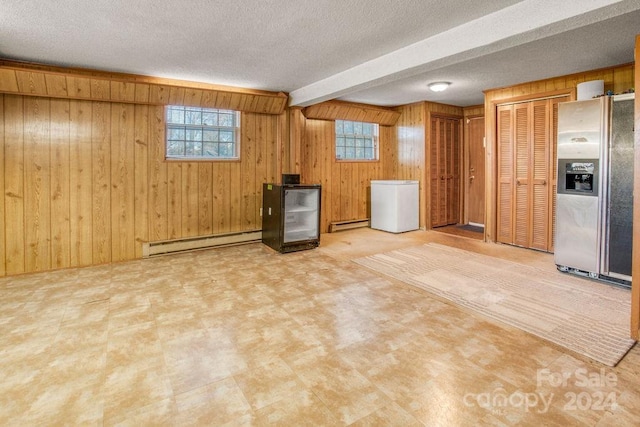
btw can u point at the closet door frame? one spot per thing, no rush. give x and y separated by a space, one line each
493 157
428 169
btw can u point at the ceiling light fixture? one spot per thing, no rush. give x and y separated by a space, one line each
438 86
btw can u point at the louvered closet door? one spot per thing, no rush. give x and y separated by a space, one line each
437 186
527 173
522 213
540 175
505 174
445 171
453 171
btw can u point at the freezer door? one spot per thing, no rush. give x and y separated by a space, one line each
617 258
577 234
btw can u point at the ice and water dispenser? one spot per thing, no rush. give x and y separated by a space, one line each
578 177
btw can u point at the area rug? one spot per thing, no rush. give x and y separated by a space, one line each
581 315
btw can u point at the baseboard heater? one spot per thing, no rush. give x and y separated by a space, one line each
187 244
348 225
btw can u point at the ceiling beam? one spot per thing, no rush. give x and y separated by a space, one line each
518 24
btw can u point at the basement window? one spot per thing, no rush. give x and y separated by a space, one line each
195 133
356 140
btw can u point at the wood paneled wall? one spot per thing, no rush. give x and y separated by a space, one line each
86 182
341 110
408 160
411 160
345 185
21 78
617 79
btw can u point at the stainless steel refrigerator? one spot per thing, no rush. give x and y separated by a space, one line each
594 202
291 216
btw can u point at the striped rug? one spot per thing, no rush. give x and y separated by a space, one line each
581 315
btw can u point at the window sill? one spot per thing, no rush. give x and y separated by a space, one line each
201 160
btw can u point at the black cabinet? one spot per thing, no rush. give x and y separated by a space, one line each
291 216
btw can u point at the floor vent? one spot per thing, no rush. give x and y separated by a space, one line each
166 247
348 225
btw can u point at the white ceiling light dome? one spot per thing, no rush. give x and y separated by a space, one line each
439 86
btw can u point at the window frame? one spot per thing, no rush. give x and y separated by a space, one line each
202 127
375 138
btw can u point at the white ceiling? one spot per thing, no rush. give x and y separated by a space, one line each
379 52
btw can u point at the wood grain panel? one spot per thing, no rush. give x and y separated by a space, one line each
100 90
297 133
189 192
261 160
221 209
236 197
410 161
80 183
60 184
31 83
158 178
42 80
142 93
78 87
340 110
37 201
8 81
56 85
205 199
14 184
101 180
123 235
248 147
174 199
142 127
123 91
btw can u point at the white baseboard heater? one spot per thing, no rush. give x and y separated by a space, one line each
165 247
348 225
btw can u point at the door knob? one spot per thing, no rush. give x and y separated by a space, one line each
472 177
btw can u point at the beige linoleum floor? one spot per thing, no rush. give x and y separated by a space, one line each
245 336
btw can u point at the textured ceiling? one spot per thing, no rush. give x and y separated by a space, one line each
287 45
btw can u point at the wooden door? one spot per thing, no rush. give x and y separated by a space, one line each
521 202
444 165
505 174
475 181
527 173
539 170
452 163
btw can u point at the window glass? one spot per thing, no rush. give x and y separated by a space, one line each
202 133
356 140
